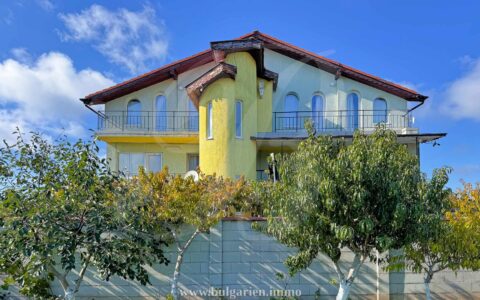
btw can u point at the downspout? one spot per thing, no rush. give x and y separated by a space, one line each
85 102
415 107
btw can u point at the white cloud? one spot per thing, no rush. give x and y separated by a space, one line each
46 5
44 95
22 55
127 38
462 98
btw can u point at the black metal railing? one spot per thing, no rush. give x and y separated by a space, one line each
149 121
340 120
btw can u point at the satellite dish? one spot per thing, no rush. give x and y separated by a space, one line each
192 174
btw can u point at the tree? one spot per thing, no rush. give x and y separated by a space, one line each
181 204
362 196
449 235
58 213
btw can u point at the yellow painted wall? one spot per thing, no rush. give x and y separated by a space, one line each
264 107
226 154
174 155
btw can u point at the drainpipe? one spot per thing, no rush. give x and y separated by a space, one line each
415 107
90 108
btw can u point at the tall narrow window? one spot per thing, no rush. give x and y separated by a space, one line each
317 111
380 111
134 113
209 120
161 113
238 119
352 111
192 117
290 115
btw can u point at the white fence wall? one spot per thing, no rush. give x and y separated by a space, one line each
234 258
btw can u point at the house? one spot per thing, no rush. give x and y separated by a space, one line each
227 108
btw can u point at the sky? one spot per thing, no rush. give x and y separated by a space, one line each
54 52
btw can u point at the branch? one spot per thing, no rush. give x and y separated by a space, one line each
175 237
82 273
61 277
357 263
190 240
340 274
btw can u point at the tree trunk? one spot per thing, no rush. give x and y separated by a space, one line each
426 283
176 274
343 290
346 283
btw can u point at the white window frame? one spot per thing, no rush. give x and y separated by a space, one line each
210 120
146 162
237 135
375 111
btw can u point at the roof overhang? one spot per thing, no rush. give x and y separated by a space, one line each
196 88
174 69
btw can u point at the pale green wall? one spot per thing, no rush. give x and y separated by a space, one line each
170 88
174 155
305 80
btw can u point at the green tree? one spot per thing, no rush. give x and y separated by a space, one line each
58 213
182 204
332 195
449 235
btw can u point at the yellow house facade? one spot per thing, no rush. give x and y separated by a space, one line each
224 110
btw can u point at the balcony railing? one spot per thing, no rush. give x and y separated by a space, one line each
148 121
340 120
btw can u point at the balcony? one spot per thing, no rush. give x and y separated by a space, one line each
341 121
148 122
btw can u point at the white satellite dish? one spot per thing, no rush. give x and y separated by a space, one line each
193 174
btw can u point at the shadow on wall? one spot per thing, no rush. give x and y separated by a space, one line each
233 256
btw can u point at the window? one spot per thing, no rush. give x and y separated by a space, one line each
134 113
161 113
352 111
155 163
192 117
129 163
238 118
209 121
317 111
192 161
290 112
380 111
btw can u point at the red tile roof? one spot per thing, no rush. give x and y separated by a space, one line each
173 69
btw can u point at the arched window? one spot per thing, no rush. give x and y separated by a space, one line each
380 111
317 111
290 115
161 113
134 113
352 111
192 117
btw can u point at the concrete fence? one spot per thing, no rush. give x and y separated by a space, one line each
237 262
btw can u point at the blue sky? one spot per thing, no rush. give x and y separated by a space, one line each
53 52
